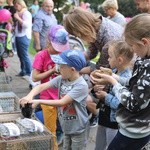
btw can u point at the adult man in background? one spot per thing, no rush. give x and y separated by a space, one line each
143 5
44 19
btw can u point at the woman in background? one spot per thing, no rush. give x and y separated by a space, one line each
23 31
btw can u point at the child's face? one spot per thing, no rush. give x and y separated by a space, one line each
65 71
140 49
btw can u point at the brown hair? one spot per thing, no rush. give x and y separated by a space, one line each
82 23
121 48
138 28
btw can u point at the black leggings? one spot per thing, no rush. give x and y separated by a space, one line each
121 142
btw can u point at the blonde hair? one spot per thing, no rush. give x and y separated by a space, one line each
82 23
21 2
121 48
138 28
110 4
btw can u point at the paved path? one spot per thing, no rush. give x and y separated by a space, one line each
20 87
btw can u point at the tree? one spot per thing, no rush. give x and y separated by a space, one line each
126 7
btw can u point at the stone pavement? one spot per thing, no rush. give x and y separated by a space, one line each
20 87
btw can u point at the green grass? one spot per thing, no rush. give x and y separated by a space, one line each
32 51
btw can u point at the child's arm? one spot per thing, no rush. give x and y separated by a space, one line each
38 76
36 90
61 102
112 101
137 98
86 70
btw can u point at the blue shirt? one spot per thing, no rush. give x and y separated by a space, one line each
111 100
34 9
42 23
119 18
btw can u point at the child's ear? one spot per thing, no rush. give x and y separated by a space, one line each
145 41
73 69
120 60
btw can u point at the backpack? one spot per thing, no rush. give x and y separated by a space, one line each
76 43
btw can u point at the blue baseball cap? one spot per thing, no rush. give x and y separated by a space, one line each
72 58
59 38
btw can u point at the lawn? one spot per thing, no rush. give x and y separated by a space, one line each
31 49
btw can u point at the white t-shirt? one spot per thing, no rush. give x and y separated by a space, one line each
26 28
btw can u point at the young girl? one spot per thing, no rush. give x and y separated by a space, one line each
44 70
134 108
120 56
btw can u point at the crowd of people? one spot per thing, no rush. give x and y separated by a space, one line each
117 98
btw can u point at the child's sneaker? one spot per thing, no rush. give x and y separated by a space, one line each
93 121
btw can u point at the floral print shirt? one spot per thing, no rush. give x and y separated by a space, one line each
108 31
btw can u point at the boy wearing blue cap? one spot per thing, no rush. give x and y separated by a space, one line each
73 92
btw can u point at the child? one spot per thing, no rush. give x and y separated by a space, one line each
44 70
73 91
134 108
120 56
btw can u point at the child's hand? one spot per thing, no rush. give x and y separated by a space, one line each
98 87
95 76
101 94
108 78
103 77
24 101
97 79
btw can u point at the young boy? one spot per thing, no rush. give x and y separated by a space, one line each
73 91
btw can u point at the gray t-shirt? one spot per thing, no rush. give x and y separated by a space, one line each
73 117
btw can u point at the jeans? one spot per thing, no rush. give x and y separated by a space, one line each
22 45
122 142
